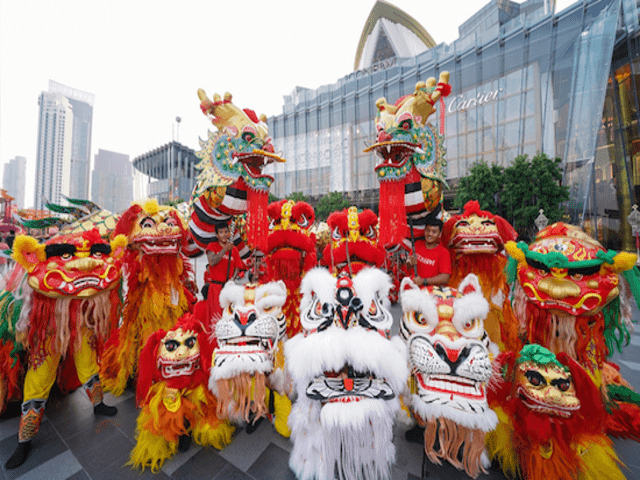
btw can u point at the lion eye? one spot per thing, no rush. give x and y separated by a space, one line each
190 342
147 223
171 345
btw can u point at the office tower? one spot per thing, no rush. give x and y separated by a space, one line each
112 181
64 144
14 178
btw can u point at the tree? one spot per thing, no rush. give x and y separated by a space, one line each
330 203
298 197
484 184
273 198
531 185
518 192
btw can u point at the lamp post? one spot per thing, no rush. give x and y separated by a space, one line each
541 221
634 220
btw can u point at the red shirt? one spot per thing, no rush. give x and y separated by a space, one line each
221 272
432 261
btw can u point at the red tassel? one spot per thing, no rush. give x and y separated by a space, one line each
257 219
393 218
442 113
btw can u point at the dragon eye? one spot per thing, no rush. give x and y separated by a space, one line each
248 137
406 125
171 345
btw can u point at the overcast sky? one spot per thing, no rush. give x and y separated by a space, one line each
145 60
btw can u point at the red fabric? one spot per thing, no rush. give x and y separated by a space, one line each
432 261
218 272
257 219
393 218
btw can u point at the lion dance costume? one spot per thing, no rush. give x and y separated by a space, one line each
291 250
450 357
172 392
75 280
476 241
354 241
348 374
156 272
573 296
246 376
551 419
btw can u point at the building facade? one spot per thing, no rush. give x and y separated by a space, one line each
170 170
82 106
525 79
64 144
14 178
112 181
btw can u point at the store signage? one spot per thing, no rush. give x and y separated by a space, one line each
459 104
383 65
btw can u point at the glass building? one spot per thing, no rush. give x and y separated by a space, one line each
525 79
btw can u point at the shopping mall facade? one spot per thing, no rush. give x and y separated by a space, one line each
524 78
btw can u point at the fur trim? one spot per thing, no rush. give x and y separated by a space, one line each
370 282
486 421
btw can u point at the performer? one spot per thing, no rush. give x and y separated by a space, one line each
432 259
73 306
224 263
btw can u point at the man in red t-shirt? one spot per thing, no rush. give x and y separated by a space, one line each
224 263
433 260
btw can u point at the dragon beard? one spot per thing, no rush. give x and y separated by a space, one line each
237 397
451 437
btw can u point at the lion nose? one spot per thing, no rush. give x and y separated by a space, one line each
83 264
244 319
384 136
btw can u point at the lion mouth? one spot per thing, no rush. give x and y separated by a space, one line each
348 385
159 245
475 244
564 411
244 345
451 386
178 368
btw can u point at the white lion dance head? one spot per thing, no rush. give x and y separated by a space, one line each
450 358
248 335
347 373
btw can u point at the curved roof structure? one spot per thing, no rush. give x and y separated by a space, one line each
390 33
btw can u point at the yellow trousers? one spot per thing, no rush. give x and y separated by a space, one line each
38 381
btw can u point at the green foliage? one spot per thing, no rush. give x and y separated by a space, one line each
482 184
298 197
517 192
330 203
273 198
173 202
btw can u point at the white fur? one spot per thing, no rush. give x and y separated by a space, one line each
471 306
320 282
231 294
369 282
308 358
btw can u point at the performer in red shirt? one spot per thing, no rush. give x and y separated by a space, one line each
224 263
432 259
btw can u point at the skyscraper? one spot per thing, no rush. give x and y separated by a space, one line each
64 144
112 181
14 178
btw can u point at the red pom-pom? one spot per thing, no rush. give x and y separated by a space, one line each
445 89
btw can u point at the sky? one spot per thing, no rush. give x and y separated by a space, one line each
145 60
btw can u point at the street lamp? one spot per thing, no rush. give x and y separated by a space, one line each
178 120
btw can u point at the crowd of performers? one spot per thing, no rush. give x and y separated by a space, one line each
503 349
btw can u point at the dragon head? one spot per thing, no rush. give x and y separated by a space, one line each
240 149
77 265
354 237
566 271
152 229
476 231
404 138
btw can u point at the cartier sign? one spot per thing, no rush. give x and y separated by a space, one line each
459 104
